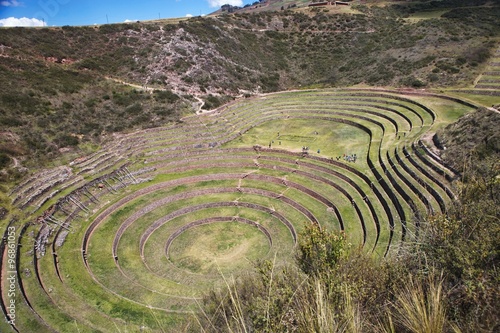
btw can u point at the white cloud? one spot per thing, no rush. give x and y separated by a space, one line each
11 3
218 3
21 22
189 15
128 21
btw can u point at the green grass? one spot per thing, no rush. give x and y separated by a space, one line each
225 246
425 15
332 139
482 100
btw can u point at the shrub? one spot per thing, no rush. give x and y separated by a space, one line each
477 55
134 109
260 302
66 140
11 121
412 81
433 77
165 96
212 102
320 251
89 63
4 160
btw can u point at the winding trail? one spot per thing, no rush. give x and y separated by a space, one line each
143 87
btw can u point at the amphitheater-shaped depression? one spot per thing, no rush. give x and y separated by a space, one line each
136 233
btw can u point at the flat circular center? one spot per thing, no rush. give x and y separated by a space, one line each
224 246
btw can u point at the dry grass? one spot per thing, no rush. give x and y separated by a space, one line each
419 307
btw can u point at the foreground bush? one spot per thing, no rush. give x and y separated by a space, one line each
445 282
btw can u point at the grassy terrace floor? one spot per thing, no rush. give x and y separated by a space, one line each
129 238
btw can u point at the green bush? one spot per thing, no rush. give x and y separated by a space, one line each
11 121
165 96
66 140
412 81
320 251
134 109
212 102
433 77
4 160
477 55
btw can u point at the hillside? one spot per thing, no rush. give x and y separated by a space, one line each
476 137
63 86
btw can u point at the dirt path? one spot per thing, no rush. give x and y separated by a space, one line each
493 109
143 87
201 104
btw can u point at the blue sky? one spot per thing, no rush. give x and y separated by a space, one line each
88 12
